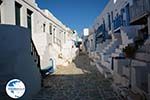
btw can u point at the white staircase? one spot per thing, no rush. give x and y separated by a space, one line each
114 47
41 43
103 57
106 58
127 36
101 46
111 47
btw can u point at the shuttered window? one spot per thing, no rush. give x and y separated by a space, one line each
29 19
17 13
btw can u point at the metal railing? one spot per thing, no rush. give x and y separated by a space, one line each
139 8
35 54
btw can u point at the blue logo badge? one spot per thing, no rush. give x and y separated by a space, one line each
15 88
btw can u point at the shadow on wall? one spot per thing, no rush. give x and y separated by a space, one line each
16 61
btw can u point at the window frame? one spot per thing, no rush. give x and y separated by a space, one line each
18 13
29 17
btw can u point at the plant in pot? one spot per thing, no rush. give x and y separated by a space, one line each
138 41
129 53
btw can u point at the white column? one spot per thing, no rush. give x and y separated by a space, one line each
23 16
8 12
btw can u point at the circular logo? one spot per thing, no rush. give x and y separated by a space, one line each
15 88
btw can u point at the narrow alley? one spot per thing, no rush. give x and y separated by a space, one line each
78 81
75 50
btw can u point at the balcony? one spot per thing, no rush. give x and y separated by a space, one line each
100 30
118 22
138 11
100 34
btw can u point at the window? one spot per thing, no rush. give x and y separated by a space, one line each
127 14
0 14
50 29
54 31
109 22
112 16
117 15
104 23
17 13
44 25
64 37
29 19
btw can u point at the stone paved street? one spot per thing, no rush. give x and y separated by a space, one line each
78 81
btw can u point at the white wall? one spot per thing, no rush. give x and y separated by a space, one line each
110 7
86 31
39 17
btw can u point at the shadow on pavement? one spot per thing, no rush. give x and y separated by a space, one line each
88 85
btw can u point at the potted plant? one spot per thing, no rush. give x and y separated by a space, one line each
129 52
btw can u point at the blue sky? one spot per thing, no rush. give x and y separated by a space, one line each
76 14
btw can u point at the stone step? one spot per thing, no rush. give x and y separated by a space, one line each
122 46
115 54
143 57
137 63
103 70
118 51
100 68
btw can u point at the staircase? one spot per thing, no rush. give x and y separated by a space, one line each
114 47
41 42
103 54
111 47
106 58
101 46
127 36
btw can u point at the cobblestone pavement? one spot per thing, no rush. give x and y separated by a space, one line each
78 81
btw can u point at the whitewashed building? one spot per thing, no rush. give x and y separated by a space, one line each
118 25
48 33
42 41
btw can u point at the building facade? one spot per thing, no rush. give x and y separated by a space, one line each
119 25
48 33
